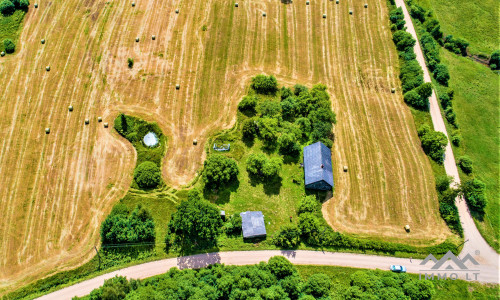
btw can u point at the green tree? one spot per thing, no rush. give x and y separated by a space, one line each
433 142
495 60
419 290
268 131
7 8
309 228
442 74
465 163
24 4
289 108
425 90
397 18
281 267
304 125
263 84
271 109
288 237
219 170
285 93
308 204
318 285
456 138
196 223
443 183
9 46
287 145
403 40
474 190
120 227
147 175
272 167
249 129
255 162
248 104
413 98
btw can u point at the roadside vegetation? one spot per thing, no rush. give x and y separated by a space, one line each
11 17
279 279
468 95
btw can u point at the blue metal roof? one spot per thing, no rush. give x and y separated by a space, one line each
315 156
252 223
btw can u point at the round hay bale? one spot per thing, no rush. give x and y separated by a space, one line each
87 121
350 12
236 4
133 4
337 2
36 5
47 68
153 37
43 41
264 14
307 2
177 86
47 130
137 40
70 108
106 125
195 142
407 228
99 119
366 5
324 16
177 11
393 90
345 169
2 54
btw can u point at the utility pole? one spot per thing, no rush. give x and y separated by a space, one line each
98 256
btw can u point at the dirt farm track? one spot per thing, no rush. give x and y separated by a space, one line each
56 189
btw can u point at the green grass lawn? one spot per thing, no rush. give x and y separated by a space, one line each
10 27
475 21
445 289
476 104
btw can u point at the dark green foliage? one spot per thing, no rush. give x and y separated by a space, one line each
412 98
411 75
433 142
271 109
130 62
304 125
260 165
474 190
114 288
147 175
7 8
249 128
417 12
425 90
308 204
268 131
9 46
397 18
272 167
318 285
432 26
219 170
441 74
456 138
403 40
456 45
24 4
495 60
419 289
309 228
465 163
281 267
196 223
288 237
450 115
233 225
248 104
299 89
120 227
443 183
264 84
285 93
289 108
431 50
445 100
287 145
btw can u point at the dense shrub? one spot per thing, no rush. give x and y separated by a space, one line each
445 100
287 145
465 163
318 285
9 46
412 98
268 131
411 75
397 18
248 104
120 227
130 62
456 138
249 128
495 60
433 142
403 40
195 224
233 225
7 8
24 4
443 183
456 45
441 74
431 50
271 109
288 237
299 89
432 26
259 164
263 84
219 170
474 190
285 92
147 175
450 116
417 12
308 204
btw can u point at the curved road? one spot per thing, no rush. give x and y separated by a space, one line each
487 270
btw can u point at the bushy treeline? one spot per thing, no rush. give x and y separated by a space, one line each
313 231
447 207
301 116
8 7
147 173
122 227
276 280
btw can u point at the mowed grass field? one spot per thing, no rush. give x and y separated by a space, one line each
57 188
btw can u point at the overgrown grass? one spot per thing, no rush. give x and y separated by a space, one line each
445 289
475 21
10 27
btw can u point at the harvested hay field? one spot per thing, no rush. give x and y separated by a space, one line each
57 188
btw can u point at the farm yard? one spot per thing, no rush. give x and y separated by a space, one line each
57 188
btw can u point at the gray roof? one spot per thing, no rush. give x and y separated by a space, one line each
316 155
253 224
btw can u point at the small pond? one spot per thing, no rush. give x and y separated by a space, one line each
151 140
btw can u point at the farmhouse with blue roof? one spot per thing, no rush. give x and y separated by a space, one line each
318 167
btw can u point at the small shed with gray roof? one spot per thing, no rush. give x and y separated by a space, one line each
252 223
318 167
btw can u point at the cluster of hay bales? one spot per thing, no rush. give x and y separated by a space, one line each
87 121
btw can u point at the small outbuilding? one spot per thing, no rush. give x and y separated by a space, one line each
318 167
252 224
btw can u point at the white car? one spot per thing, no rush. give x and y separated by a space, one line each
398 269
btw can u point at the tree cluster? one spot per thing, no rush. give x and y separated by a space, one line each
433 142
196 224
219 170
260 165
147 175
447 207
494 61
263 84
474 193
122 227
8 7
